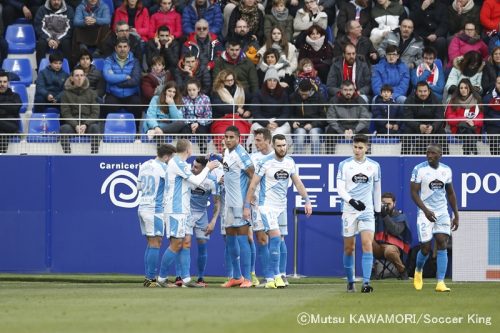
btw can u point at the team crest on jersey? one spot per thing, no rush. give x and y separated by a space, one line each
436 184
281 175
198 191
225 166
360 179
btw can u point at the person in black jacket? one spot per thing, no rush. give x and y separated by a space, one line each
10 104
165 45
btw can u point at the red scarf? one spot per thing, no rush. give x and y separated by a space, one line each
349 72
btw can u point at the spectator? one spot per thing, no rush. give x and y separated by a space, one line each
424 117
202 9
307 104
363 45
92 20
346 106
122 73
121 30
228 102
234 59
465 41
10 105
469 66
386 15
353 68
409 45
136 16
492 111
461 11
162 112
81 110
384 109
96 81
306 71
53 27
305 18
249 11
189 68
279 17
465 116
154 80
393 72
166 16
271 59
15 9
490 16
197 111
165 45
431 71
203 44
357 10
491 71
249 43
318 50
50 84
431 24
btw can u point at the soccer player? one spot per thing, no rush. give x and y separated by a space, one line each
197 223
273 173
431 184
238 170
359 185
180 179
152 188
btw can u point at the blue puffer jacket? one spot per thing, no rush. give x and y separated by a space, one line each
115 76
100 12
50 82
396 75
212 14
153 114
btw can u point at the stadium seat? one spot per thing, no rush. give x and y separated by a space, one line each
42 124
45 62
119 128
21 67
21 38
99 63
23 93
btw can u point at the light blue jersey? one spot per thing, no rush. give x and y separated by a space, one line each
201 194
152 186
236 180
433 186
359 179
275 176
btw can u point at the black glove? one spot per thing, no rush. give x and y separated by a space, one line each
358 205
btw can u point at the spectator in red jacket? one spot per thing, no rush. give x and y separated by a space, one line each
167 16
490 16
136 15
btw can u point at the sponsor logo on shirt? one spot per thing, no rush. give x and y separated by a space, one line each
281 175
436 185
360 179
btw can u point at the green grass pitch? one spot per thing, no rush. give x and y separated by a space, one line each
118 303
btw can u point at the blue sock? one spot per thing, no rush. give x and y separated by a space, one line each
167 260
227 260
152 262
185 262
442 264
252 254
263 254
274 255
349 267
178 265
367 265
146 261
283 257
234 251
202 259
245 256
421 259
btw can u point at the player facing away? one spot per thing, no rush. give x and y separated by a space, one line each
238 170
432 190
359 185
152 188
180 180
197 223
273 173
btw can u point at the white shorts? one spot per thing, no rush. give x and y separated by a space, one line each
197 222
233 217
426 229
175 225
270 217
283 223
257 224
354 223
151 224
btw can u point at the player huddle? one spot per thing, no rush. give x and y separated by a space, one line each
250 193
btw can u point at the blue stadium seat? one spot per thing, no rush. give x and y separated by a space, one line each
50 109
21 90
21 67
119 128
45 62
99 63
21 38
42 124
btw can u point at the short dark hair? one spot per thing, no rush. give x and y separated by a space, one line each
122 40
387 87
278 137
233 129
422 83
430 50
85 52
360 138
318 29
165 149
55 57
391 49
347 83
4 74
233 42
389 195
202 160
266 133
163 28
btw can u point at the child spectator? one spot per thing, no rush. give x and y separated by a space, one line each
385 109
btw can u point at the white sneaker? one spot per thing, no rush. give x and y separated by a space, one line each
151 134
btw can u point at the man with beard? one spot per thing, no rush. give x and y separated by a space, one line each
249 43
165 45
